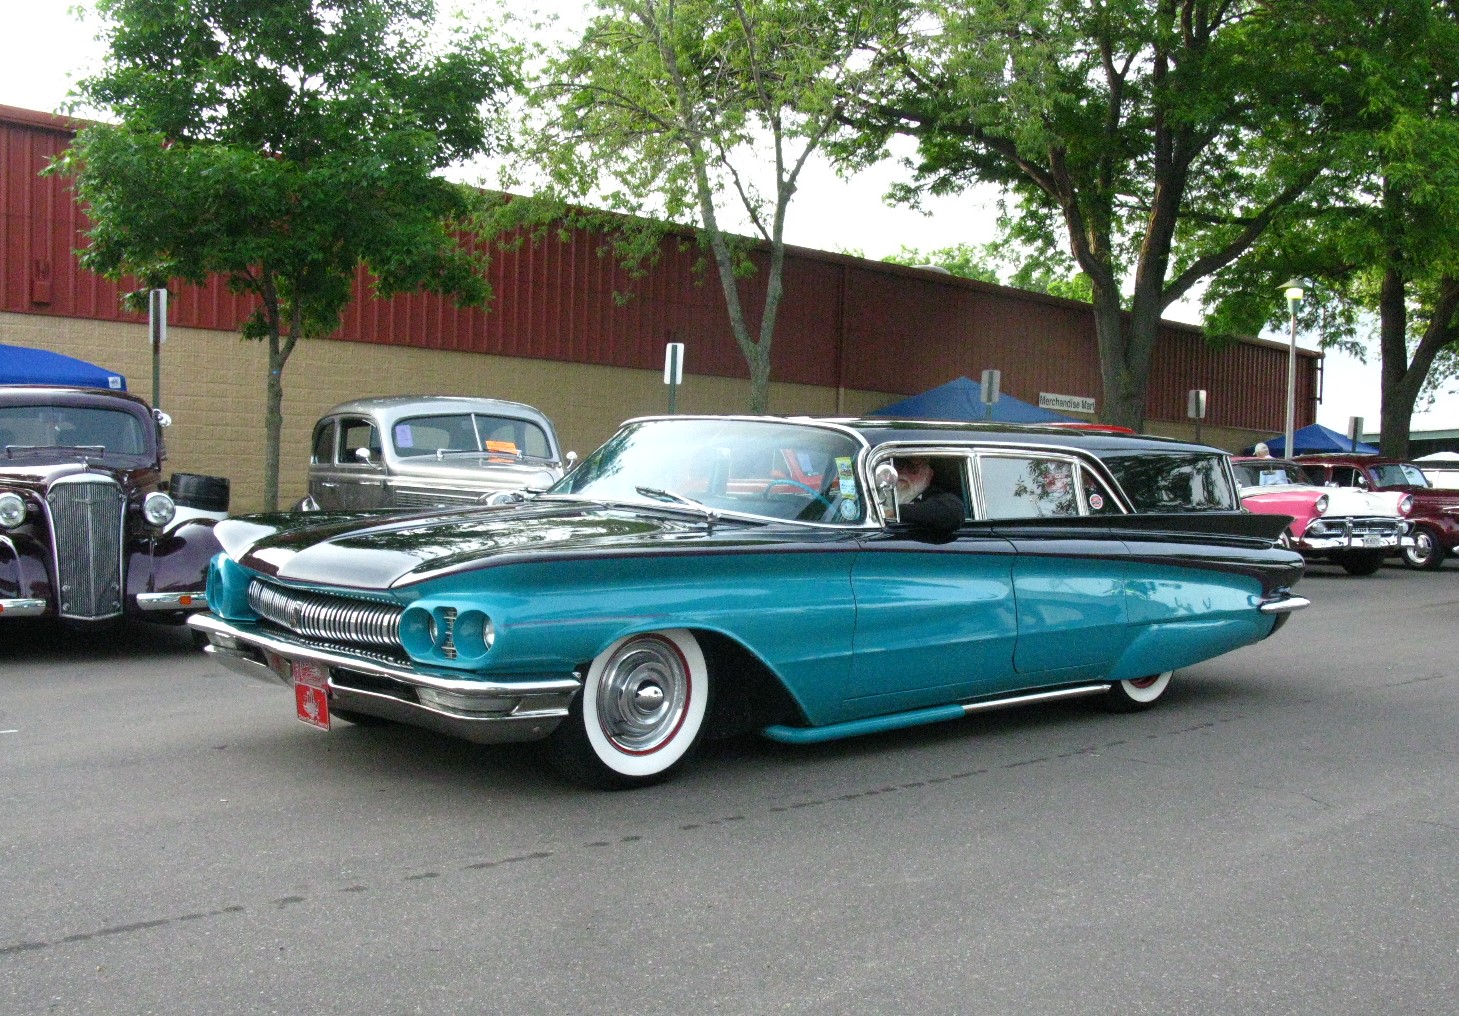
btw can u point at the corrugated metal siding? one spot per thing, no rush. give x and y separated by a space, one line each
844 322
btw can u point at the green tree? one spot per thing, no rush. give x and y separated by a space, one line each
695 112
1379 235
282 144
999 263
1153 140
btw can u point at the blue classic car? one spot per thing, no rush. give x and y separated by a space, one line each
703 576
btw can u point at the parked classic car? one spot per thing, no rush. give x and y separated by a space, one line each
1355 529
87 532
431 451
729 574
1435 513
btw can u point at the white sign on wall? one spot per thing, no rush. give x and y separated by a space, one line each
1068 403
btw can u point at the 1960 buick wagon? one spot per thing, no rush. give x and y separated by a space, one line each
701 576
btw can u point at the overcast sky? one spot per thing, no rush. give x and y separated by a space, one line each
44 48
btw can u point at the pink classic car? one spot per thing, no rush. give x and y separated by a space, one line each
1352 528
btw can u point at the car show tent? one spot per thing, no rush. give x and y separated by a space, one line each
962 399
20 365
1315 438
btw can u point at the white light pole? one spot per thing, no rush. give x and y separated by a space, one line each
1292 290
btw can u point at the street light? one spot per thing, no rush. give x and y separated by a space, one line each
1292 290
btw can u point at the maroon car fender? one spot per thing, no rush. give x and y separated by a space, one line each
23 571
175 561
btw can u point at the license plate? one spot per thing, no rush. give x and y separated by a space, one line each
1372 541
311 693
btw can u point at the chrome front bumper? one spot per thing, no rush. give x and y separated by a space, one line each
25 607
486 712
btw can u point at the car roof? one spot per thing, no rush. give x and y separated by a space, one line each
1349 458
393 406
890 430
70 395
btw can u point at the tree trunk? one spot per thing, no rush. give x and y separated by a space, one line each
273 419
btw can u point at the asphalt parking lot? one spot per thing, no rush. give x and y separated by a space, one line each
1280 835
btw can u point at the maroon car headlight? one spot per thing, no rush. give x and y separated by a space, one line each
1320 505
158 509
1405 504
12 510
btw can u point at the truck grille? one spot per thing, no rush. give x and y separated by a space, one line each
433 499
87 519
330 618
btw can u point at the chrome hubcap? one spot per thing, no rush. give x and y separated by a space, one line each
642 694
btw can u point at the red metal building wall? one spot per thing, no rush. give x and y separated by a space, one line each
845 322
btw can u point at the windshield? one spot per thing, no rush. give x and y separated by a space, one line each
1268 472
1398 474
766 468
112 431
500 436
1175 481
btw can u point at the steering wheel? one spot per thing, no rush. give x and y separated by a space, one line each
788 482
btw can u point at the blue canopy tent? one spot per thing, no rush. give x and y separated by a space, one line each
20 365
962 399
1315 438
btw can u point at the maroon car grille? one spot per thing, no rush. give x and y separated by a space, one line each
87 521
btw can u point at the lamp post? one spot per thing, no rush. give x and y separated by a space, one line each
1292 290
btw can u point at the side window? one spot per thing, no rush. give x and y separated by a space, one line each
1028 487
1346 476
322 452
1315 475
356 434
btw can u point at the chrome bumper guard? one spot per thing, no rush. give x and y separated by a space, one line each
22 608
486 712
172 601
1286 604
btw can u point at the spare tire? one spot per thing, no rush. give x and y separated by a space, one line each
205 493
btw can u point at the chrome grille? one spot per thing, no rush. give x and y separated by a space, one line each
1375 527
87 519
331 618
432 499
448 637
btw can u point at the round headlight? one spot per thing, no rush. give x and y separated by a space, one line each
158 509
12 510
1320 505
474 633
1405 504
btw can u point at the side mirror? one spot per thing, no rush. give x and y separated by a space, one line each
885 478
163 420
363 455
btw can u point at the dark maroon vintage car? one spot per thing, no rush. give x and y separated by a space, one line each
89 531
1435 513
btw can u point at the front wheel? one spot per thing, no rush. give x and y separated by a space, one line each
640 713
1137 693
1359 562
1427 553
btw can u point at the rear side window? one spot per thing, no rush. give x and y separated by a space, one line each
1175 481
1028 487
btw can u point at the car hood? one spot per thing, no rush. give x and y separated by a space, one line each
381 550
476 471
1342 502
38 475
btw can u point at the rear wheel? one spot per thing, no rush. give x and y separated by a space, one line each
1137 693
1427 553
1361 562
640 713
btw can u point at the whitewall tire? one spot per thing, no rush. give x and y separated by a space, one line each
1137 693
640 713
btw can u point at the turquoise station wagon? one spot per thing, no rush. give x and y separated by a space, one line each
706 576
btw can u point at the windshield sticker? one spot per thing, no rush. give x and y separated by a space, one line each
1096 502
846 475
849 511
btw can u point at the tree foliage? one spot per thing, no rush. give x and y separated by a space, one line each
702 113
282 144
1151 140
1378 236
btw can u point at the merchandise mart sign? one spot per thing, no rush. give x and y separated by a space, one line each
1068 403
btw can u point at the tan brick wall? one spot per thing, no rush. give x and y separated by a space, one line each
213 387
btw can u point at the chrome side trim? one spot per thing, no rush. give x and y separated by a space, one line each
1078 691
1285 605
22 608
172 601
